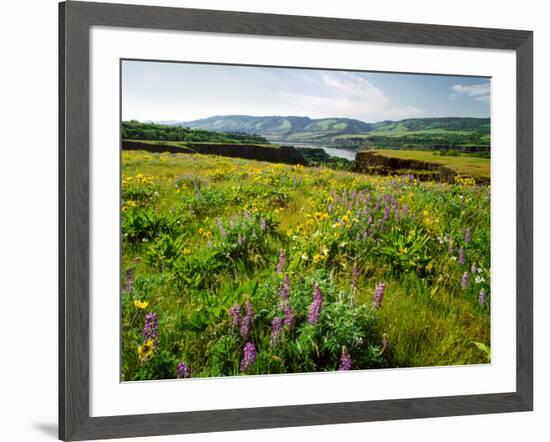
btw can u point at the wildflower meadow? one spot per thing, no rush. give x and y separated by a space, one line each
242 267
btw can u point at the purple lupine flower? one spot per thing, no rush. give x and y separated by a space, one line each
150 327
465 280
379 294
276 330
184 371
461 256
249 356
284 291
263 225
281 262
235 314
468 235
404 210
289 317
482 297
345 360
354 275
316 305
248 309
386 213
246 320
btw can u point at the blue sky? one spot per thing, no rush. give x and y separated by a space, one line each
184 92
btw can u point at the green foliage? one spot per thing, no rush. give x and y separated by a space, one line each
405 249
148 224
135 130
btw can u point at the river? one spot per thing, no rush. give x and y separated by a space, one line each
348 154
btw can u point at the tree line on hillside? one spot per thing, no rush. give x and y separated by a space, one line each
135 130
466 142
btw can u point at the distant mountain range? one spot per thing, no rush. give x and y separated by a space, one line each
347 132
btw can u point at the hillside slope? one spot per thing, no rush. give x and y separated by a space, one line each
434 133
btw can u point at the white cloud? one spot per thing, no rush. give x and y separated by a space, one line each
342 94
478 92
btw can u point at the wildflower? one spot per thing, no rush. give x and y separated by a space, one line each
474 267
467 235
354 275
461 256
281 262
289 317
142 305
246 320
263 225
235 314
249 356
276 330
184 371
482 297
316 305
146 350
379 294
284 291
150 327
465 280
345 360
386 213
479 279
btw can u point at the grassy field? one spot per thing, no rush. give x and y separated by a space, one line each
463 165
235 267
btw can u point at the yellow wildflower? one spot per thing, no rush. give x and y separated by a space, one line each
146 350
142 305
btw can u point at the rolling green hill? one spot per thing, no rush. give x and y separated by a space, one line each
277 128
468 134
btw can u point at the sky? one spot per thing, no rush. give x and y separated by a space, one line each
160 91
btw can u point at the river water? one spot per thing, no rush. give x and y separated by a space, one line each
348 154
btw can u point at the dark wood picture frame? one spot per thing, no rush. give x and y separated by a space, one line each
75 20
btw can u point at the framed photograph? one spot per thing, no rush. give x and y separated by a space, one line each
271 221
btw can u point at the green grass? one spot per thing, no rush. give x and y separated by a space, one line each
463 165
204 233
